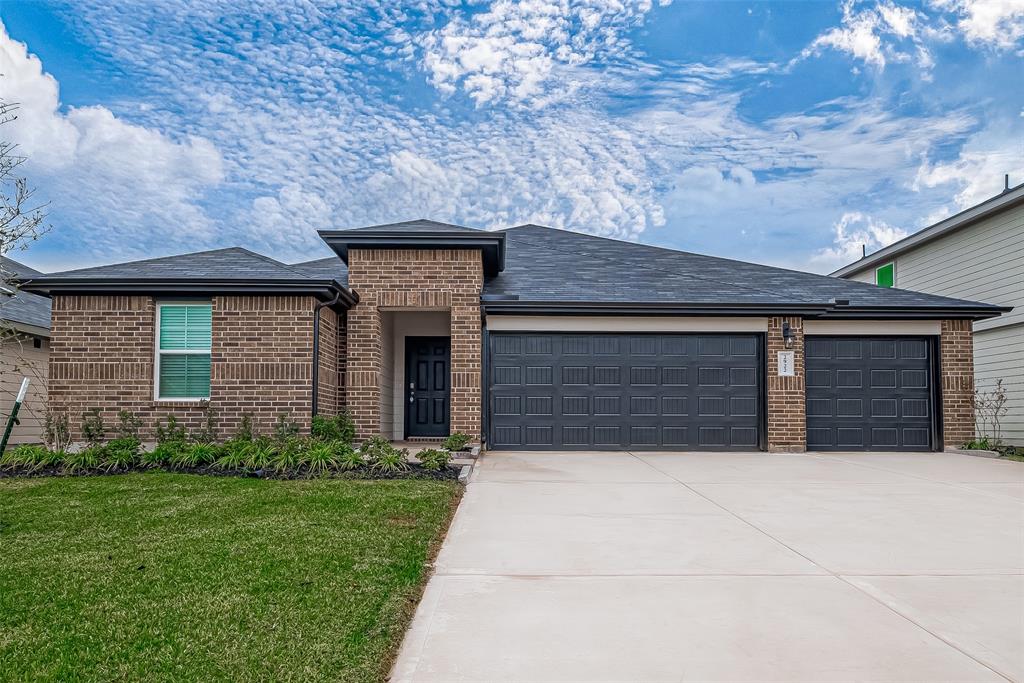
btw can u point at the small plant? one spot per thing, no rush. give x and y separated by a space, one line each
84 460
172 433
289 457
244 432
323 428
207 433
285 429
128 425
120 454
349 458
260 455
321 458
346 428
195 455
381 456
57 433
234 455
989 411
32 457
434 459
161 455
93 429
455 441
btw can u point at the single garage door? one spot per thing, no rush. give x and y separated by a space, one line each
621 391
869 393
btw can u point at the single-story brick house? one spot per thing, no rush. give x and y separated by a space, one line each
526 338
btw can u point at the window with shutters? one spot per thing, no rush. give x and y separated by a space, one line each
183 350
885 276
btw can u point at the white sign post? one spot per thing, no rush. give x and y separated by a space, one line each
787 363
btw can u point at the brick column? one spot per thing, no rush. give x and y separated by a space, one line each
466 368
363 367
956 347
787 420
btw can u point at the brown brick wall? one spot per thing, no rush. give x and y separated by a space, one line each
787 421
329 374
957 364
437 279
102 352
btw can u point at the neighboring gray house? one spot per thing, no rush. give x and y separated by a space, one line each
978 254
24 350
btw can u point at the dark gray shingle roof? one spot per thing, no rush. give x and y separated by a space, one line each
218 264
329 267
545 264
419 225
23 307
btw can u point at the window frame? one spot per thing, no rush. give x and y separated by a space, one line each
886 265
157 352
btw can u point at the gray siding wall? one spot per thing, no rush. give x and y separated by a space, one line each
983 262
19 359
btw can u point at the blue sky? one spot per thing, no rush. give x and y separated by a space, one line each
785 133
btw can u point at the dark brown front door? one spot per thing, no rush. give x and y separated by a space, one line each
427 385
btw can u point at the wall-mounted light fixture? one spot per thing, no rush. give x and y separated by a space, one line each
787 335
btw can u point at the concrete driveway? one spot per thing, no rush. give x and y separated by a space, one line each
728 567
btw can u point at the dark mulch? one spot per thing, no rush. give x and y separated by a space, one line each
414 472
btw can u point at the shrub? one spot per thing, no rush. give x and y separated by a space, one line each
128 425
321 457
349 458
83 460
244 432
336 428
57 432
93 429
455 441
982 444
286 428
434 459
381 456
207 433
195 455
172 433
120 454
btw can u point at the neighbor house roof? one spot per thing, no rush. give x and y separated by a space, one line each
560 271
24 310
231 270
1009 198
422 234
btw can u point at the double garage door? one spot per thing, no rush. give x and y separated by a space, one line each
702 392
622 391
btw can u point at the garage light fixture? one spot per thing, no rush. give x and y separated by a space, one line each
787 335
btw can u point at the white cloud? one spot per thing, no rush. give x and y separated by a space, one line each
513 50
98 169
866 34
853 233
992 23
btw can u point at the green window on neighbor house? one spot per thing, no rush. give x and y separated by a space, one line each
183 350
886 275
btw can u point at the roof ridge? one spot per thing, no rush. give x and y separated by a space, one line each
269 260
648 266
151 260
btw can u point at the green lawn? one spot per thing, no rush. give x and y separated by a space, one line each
163 576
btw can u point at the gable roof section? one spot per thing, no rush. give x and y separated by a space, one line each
420 234
1007 199
329 267
553 270
231 270
23 310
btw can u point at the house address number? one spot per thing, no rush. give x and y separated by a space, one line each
787 363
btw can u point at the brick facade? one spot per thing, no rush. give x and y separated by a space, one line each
957 367
787 421
404 279
102 356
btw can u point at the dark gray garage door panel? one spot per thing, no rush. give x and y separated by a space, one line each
615 391
869 393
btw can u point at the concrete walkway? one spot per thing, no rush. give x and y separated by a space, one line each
728 567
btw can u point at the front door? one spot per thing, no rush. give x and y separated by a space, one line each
427 385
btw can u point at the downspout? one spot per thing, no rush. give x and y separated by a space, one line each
316 348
